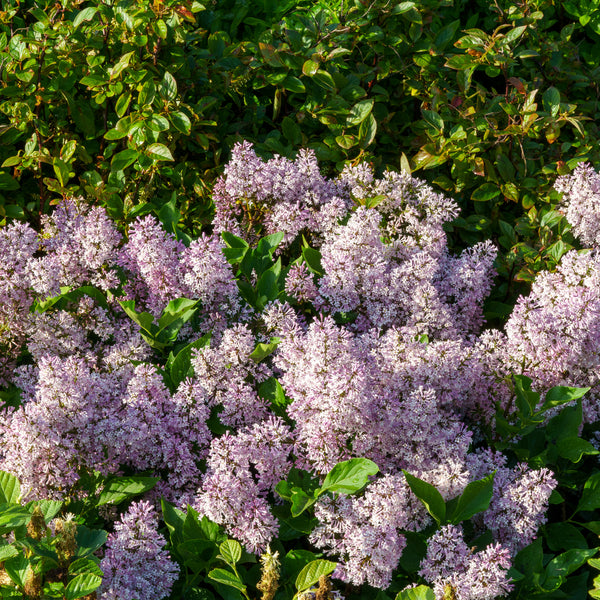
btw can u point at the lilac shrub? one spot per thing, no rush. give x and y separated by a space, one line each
372 347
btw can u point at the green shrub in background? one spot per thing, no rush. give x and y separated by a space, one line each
137 103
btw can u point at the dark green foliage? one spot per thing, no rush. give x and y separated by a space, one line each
136 104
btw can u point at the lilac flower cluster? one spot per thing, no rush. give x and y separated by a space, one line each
135 564
581 201
256 197
242 470
457 572
553 334
390 263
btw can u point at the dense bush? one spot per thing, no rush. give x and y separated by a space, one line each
292 347
136 104
322 396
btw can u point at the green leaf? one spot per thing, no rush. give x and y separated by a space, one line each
87 14
310 67
181 122
181 364
144 320
312 572
590 497
359 112
120 65
18 569
227 578
429 496
349 476
325 80
10 490
85 565
293 84
82 585
180 308
49 508
561 395
291 131
160 27
573 448
158 123
515 34
168 87
566 563
312 258
174 520
421 592
88 540
551 101
7 551
272 391
230 551
432 118
476 498
117 490
159 152
263 350
232 241
367 131
564 536
485 192
147 93
121 160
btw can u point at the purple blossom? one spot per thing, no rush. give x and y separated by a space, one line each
135 564
277 195
242 470
153 434
152 257
80 244
581 201
226 376
69 424
18 243
450 563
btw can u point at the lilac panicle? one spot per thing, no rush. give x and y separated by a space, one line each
135 565
242 470
581 201
226 376
80 244
450 565
553 334
69 424
18 243
151 256
256 197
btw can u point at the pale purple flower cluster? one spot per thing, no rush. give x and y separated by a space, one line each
457 572
553 334
390 263
368 545
68 424
154 435
256 197
81 246
135 565
227 377
242 470
152 257
581 201
18 243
